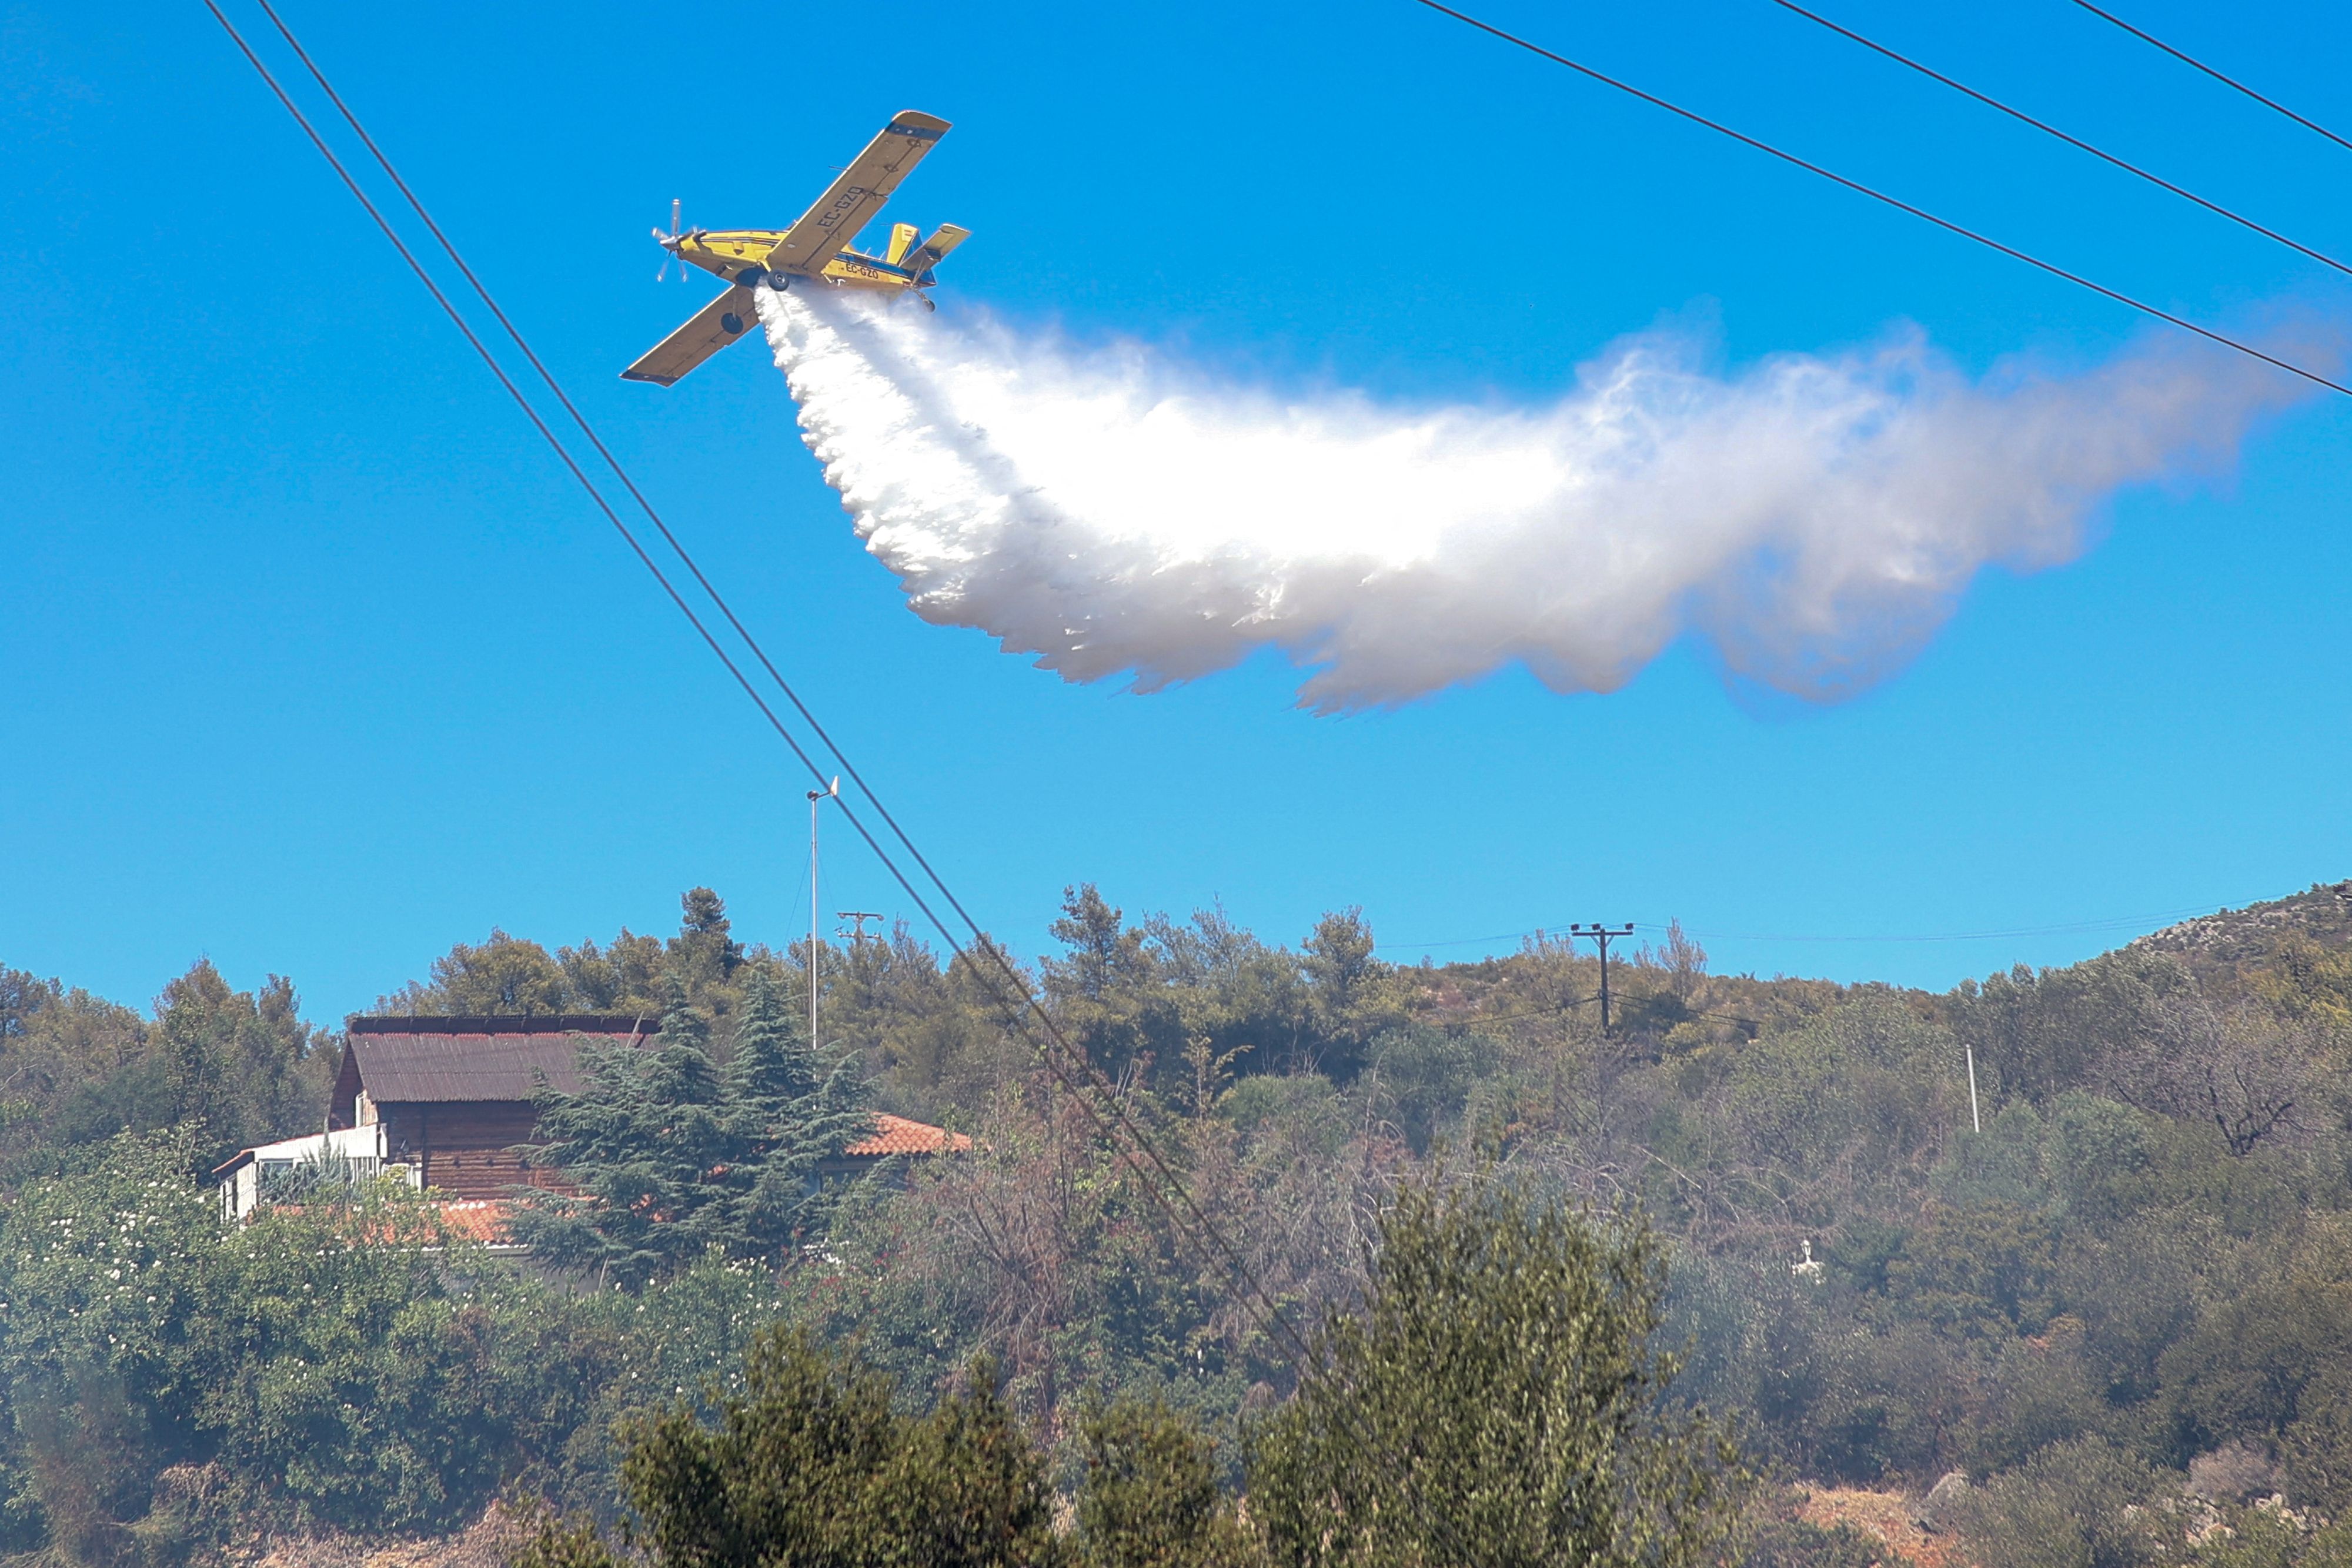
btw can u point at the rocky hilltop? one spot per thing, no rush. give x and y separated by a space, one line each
2230 941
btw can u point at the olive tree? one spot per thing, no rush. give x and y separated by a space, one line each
1499 1399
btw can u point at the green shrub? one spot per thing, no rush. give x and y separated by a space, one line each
1149 1499
809 1464
1498 1400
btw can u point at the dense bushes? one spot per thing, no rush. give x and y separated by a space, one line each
2138 1264
347 1364
1495 1400
328 1360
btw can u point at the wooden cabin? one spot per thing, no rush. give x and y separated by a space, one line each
454 1095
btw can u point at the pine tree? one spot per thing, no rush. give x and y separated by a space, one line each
646 1141
787 1120
772 1066
810 1464
1150 1497
703 952
674 1158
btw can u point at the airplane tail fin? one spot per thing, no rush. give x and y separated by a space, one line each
902 236
934 250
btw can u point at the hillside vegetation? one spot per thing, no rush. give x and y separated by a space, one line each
2122 1310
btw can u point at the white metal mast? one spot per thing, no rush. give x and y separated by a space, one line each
815 799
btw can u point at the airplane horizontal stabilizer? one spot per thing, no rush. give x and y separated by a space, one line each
934 250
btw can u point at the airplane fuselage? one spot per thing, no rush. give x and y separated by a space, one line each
738 256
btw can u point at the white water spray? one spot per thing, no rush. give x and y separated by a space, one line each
1814 519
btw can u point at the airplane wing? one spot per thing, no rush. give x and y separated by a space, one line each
857 194
716 325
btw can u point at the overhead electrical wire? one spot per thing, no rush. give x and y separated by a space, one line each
1133 1143
733 669
554 387
646 506
2229 81
1130 1140
960 949
2049 129
2052 269
2107 923
2120 922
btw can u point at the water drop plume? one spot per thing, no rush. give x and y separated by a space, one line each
1814 519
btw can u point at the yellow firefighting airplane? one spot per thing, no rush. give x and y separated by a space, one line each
814 249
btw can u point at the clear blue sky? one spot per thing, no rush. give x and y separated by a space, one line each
312 661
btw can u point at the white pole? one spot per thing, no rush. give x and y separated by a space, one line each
1977 1120
815 795
815 799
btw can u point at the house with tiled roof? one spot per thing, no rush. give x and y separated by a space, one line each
449 1103
894 1137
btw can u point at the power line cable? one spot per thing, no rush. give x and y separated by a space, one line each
578 474
2052 269
2229 81
2049 129
480 289
554 387
2109 923
2119 923
1272 1317
556 443
514 392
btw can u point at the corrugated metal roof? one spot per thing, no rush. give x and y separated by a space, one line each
498 1059
501 1023
899 1136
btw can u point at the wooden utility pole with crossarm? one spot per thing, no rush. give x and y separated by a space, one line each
1601 935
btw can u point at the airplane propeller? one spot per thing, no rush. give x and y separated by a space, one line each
668 242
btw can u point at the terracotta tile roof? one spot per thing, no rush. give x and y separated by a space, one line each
899 1135
476 1219
468 1220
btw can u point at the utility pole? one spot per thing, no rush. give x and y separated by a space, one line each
858 939
815 798
1601 936
1976 1118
